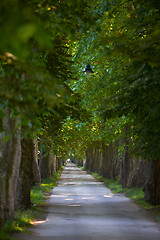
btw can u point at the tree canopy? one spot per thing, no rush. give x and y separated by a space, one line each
44 48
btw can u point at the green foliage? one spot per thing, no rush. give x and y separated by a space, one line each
36 59
39 194
23 218
123 50
134 193
113 185
4 236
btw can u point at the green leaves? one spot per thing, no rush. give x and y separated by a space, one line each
41 84
124 89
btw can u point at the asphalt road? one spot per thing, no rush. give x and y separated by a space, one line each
82 208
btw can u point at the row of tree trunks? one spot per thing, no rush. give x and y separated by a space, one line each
9 166
19 168
131 171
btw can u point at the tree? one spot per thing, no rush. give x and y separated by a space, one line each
34 33
123 50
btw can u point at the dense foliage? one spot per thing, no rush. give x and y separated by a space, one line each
124 53
36 62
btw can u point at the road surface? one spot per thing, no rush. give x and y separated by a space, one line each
82 208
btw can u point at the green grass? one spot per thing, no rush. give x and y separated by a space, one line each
39 194
4 235
113 185
23 218
110 183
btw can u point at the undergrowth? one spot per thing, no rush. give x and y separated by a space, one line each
24 218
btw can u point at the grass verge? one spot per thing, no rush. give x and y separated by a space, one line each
24 218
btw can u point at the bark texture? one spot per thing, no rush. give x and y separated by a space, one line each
152 185
48 164
108 155
9 166
27 173
131 171
30 171
89 158
35 167
124 167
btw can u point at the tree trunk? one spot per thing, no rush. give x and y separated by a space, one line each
52 162
89 159
35 167
44 165
101 162
109 161
97 159
9 166
116 160
152 185
48 164
92 160
59 163
138 172
124 173
124 167
27 173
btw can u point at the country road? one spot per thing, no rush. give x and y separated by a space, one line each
82 208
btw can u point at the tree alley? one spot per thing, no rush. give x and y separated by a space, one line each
36 64
49 109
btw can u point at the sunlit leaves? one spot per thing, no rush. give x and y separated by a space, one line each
125 83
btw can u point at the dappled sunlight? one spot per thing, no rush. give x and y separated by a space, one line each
109 195
69 199
87 198
58 196
74 205
38 222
